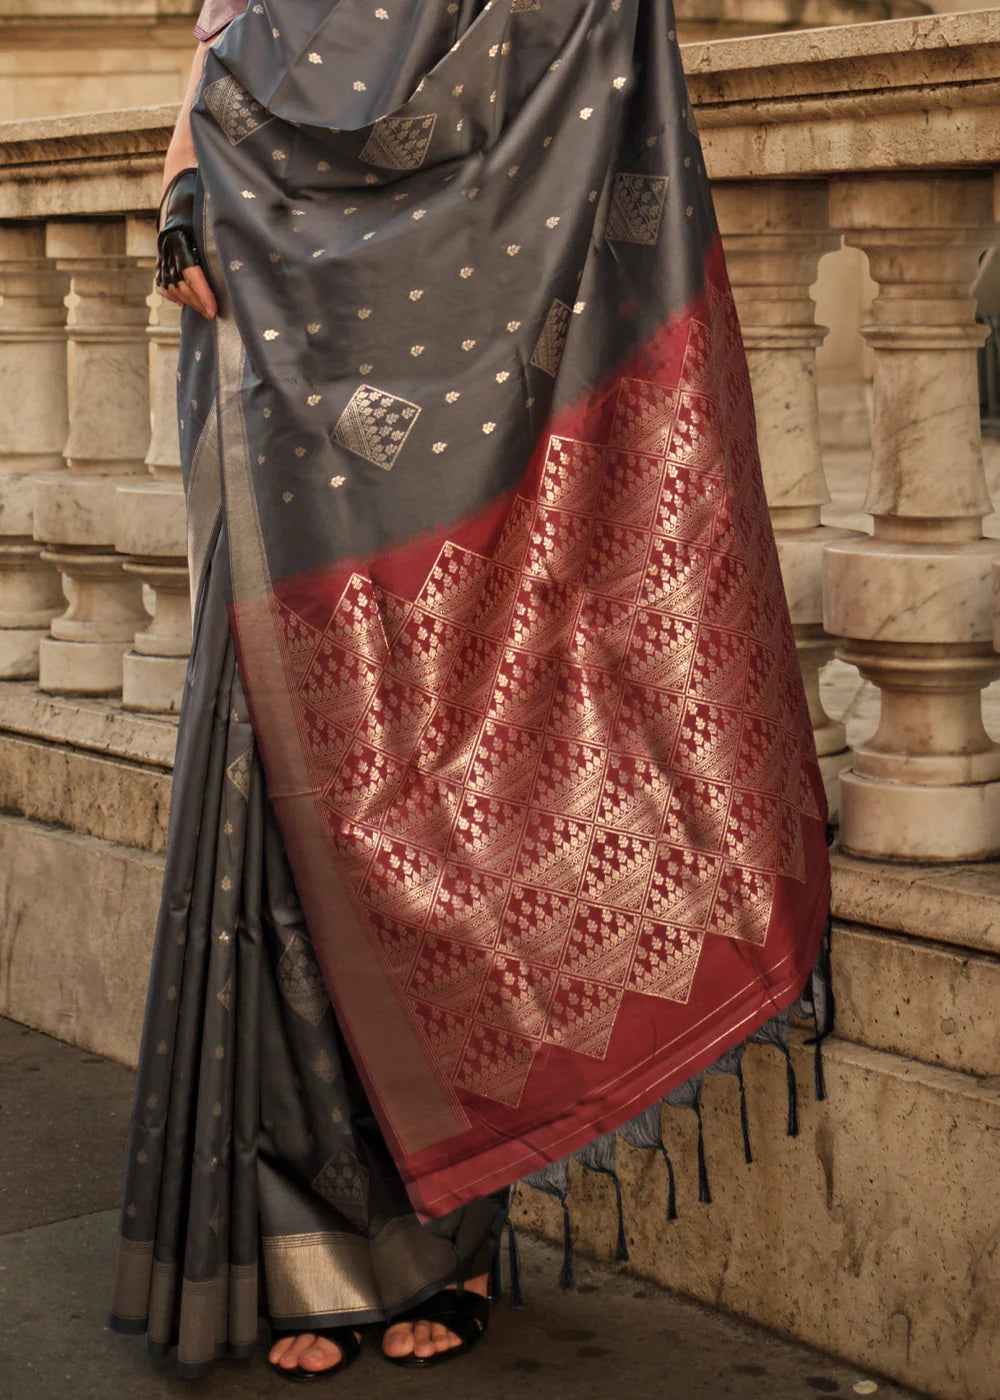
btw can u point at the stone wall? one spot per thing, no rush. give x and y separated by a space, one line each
61 56
727 19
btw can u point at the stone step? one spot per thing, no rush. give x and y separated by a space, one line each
126 803
85 765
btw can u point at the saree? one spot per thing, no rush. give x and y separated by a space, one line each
503 669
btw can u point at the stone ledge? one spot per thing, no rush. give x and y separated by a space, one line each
957 37
927 1001
98 163
123 802
954 904
916 94
94 725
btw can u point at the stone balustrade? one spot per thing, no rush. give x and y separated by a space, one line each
94 596
888 136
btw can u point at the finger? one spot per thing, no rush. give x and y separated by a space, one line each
168 294
183 292
197 284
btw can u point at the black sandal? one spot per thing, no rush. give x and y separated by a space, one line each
342 1337
466 1314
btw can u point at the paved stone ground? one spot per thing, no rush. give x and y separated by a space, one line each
63 1120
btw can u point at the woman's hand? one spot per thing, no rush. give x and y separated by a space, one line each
179 276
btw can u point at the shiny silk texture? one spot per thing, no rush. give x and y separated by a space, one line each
506 599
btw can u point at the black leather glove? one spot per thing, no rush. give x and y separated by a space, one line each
175 241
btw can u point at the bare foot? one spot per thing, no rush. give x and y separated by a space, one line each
427 1338
306 1352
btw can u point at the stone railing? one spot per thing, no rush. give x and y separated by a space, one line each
884 134
91 504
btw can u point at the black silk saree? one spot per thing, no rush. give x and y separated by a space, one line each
471 463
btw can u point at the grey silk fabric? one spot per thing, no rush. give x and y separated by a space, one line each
409 204
258 1183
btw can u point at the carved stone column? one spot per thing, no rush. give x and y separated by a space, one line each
775 234
914 601
32 432
107 441
150 524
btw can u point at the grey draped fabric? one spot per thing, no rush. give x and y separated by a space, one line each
258 1185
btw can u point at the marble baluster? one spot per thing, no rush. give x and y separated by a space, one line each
775 234
914 601
107 442
150 523
32 431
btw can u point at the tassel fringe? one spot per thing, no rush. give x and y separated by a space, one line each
744 1117
621 1248
671 1184
704 1190
496 1275
793 1096
514 1262
567 1282
824 1018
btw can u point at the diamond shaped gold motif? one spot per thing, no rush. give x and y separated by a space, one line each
637 208
375 425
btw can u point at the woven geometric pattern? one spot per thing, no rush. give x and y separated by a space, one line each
548 352
375 425
239 114
399 143
637 208
563 766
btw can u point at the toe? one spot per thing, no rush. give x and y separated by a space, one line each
293 1355
423 1339
320 1356
279 1349
398 1340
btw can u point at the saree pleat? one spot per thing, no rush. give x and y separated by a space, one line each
258 1182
